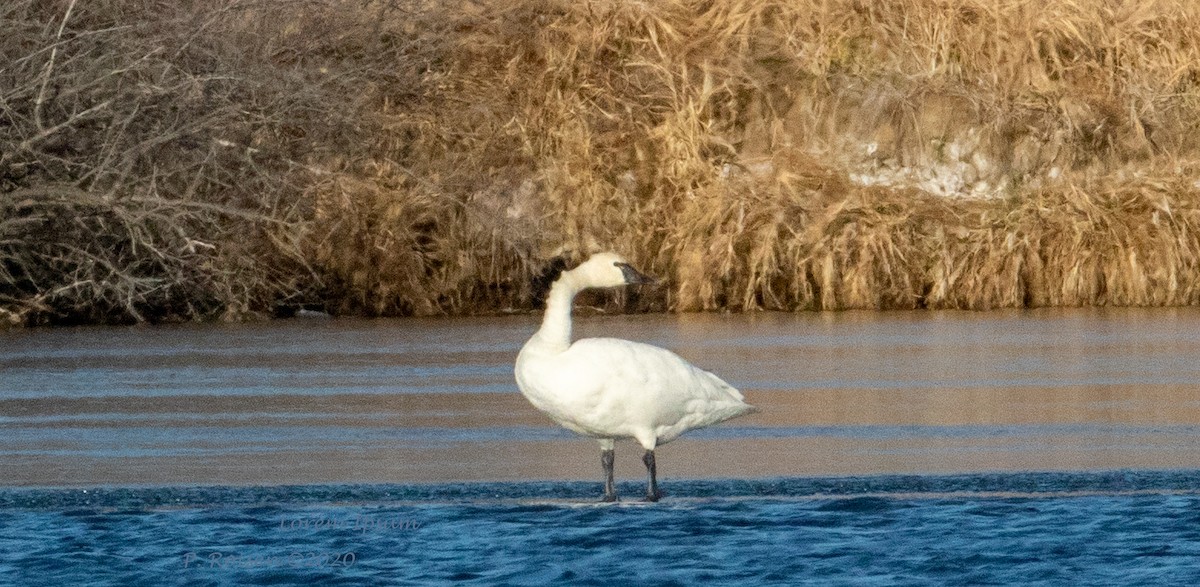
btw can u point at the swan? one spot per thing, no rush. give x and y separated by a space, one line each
610 389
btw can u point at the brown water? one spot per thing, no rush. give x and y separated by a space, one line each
349 401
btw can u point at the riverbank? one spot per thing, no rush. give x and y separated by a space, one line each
240 159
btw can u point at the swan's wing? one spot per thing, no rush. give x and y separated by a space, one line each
650 369
612 388
652 392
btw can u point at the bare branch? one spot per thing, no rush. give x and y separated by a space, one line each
41 97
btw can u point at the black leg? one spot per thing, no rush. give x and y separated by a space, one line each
652 492
610 489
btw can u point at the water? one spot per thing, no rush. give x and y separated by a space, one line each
1052 447
1036 529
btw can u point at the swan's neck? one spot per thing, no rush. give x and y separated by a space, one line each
555 333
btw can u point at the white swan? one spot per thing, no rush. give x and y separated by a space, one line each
609 388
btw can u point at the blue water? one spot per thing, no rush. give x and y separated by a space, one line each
1097 528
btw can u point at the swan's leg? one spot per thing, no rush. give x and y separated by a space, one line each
607 456
652 492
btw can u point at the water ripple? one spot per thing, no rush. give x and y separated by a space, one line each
1117 527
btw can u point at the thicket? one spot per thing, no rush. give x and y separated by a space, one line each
241 158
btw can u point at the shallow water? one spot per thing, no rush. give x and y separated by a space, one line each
1046 447
351 401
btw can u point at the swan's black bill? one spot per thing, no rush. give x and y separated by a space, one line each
633 276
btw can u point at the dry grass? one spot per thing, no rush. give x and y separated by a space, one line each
388 157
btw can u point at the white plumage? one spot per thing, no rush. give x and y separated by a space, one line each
609 388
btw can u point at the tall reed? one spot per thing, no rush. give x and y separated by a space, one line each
245 158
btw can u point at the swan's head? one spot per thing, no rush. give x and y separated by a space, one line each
607 270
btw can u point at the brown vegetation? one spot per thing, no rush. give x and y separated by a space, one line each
236 158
